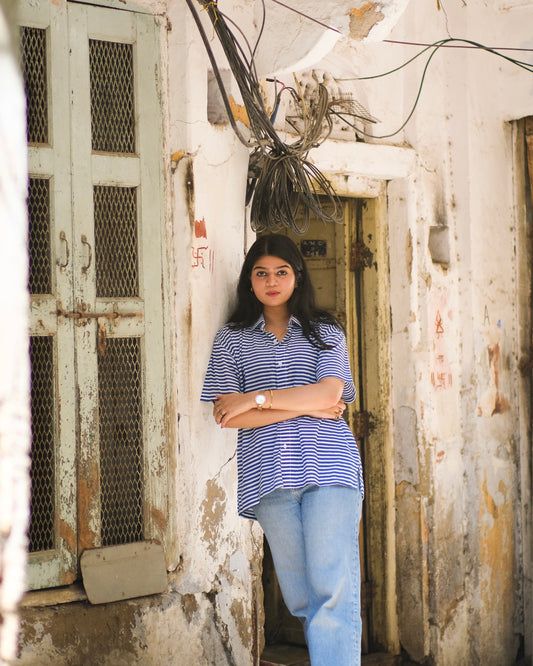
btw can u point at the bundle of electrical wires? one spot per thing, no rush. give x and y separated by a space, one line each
284 186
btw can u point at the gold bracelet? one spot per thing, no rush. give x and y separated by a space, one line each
271 399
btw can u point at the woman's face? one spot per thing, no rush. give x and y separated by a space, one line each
273 281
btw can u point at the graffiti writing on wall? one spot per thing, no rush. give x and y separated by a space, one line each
202 256
441 372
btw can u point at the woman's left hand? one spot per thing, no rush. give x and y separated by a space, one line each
230 405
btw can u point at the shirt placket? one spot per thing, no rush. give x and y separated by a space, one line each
285 434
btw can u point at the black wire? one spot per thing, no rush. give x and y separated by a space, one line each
281 180
435 46
216 73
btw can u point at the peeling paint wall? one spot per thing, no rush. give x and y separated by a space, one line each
452 489
460 490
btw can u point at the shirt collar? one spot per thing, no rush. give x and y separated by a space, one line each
260 323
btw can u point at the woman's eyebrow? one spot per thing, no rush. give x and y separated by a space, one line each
264 268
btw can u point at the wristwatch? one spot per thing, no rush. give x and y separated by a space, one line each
260 400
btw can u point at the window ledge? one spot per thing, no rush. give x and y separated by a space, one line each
52 597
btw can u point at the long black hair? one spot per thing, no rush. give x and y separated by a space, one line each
301 304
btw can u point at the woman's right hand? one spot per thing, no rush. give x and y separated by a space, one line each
334 412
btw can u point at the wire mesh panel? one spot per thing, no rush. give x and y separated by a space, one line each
115 236
41 532
121 441
112 96
33 51
39 215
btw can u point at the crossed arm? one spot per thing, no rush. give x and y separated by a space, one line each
321 400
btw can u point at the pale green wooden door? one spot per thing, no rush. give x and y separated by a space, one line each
98 352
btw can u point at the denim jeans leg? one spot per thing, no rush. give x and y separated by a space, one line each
331 517
279 514
313 535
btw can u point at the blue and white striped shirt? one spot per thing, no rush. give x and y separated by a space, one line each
300 451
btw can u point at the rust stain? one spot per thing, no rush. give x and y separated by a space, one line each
159 519
68 535
213 509
359 12
88 485
363 19
497 550
492 401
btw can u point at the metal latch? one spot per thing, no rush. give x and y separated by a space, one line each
80 314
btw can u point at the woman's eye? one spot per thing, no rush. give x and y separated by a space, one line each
282 273
260 274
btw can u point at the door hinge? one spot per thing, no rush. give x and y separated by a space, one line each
361 256
363 423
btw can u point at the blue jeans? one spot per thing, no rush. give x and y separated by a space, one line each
313 534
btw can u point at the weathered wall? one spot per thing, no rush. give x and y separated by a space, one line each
457 498
456 339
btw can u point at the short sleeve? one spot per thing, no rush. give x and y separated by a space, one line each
222 375
334 362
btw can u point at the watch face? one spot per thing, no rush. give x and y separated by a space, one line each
260 399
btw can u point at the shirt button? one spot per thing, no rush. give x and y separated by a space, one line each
284 446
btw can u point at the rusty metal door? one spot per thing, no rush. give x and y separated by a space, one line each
96 276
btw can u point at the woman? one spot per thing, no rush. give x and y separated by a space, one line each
279 372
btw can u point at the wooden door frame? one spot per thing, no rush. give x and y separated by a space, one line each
523 180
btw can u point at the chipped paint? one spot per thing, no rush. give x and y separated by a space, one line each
409 255
492 401
241 618
213 509
159 519
239 111
88 484
189 605
363 19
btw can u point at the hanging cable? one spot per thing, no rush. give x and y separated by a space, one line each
450 42
282 182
